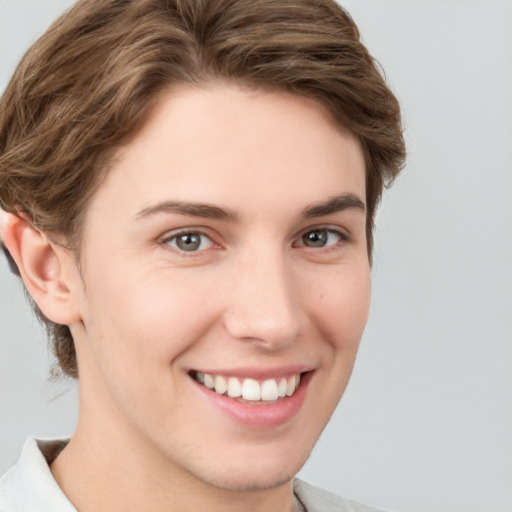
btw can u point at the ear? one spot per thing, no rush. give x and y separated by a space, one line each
47 270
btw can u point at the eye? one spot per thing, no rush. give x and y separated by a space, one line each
189 241
319 238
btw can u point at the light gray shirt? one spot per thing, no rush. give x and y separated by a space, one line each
29 486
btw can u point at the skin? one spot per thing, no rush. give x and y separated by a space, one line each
254 295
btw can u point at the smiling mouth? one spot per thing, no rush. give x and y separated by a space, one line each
250 390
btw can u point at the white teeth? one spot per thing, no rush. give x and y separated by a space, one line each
209 381
290 388
269 390
251 390
234 387
221 386
281 389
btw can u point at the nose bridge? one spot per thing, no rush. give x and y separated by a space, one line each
263 306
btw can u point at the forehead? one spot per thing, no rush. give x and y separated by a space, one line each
245 147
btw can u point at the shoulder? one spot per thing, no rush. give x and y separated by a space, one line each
29 485
315 499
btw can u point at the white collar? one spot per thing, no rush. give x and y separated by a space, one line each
29 485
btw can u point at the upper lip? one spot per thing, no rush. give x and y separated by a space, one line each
257 373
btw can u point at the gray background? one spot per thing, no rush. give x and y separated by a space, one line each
426 423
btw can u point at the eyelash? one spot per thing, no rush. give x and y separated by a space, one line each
191 233
342 236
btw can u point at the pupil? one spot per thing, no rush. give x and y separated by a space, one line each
315 238
189 242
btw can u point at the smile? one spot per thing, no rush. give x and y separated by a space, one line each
251 390
255 398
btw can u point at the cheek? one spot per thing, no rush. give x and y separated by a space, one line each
150 318
342 307
136 330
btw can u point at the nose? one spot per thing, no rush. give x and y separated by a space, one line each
264 306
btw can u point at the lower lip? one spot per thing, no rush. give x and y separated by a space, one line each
259 416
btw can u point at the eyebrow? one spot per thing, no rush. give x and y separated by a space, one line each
209 211
205 210
333 205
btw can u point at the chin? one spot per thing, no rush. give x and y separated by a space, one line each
248 481
253 474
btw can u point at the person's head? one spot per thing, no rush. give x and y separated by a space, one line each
256 135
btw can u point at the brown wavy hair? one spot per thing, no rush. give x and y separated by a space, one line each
87 85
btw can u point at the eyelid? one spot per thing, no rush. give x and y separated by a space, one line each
206 232
342 233
201 231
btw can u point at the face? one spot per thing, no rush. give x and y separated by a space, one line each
225 286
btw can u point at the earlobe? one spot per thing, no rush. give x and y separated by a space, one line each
44 268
